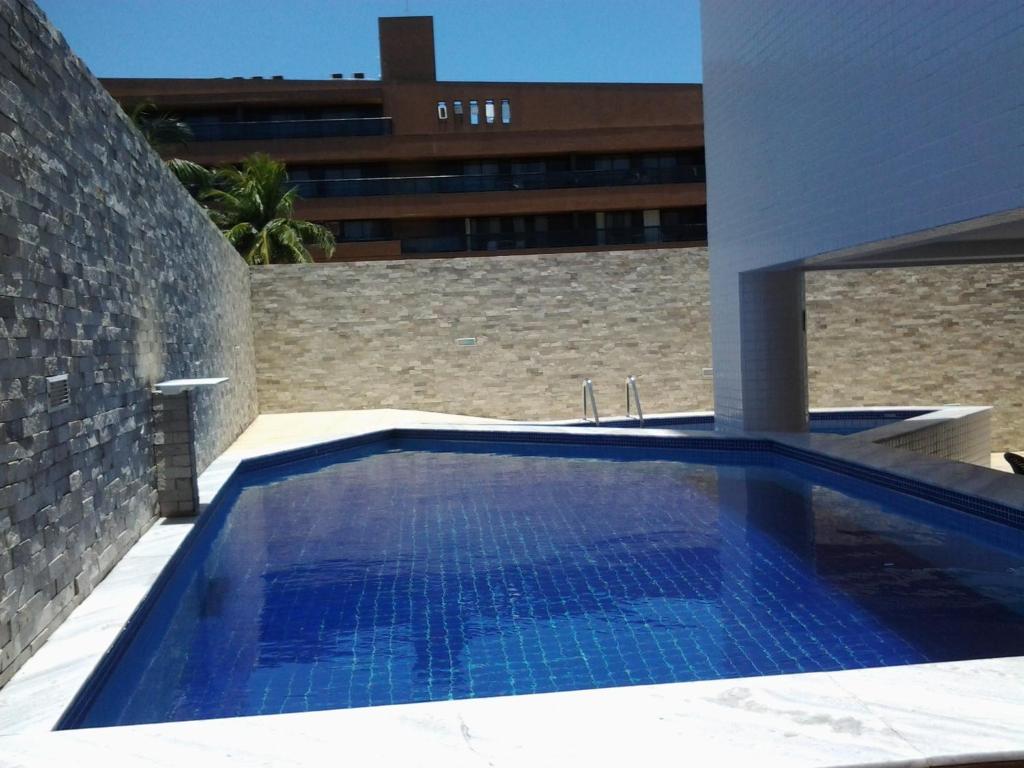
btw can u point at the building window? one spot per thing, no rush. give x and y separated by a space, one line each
659 162
442 110
489 111
474 112
506 112
607 163
457 108
362 231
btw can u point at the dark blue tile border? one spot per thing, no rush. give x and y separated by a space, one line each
963 502
897 414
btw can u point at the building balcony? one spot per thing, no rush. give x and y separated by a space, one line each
394 146
576 238
260 130
527 202
419 185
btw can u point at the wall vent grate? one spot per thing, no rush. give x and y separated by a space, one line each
58 392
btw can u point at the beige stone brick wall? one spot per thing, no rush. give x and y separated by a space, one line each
383 335
929 335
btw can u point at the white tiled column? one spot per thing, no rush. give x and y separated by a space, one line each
760 350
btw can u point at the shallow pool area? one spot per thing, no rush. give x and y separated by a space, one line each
431 569
833 421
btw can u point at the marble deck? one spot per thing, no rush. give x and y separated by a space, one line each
934 714
940 714
40 691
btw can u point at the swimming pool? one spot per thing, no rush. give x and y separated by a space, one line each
423 570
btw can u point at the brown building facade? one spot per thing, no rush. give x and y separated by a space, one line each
410 166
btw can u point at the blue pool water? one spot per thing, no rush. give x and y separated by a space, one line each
427 571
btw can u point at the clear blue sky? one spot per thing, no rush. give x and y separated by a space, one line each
527 40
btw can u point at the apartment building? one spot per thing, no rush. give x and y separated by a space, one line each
409 166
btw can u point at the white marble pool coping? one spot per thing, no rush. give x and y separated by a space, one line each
931 714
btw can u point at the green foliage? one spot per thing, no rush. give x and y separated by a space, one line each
160 129
193 176
252 204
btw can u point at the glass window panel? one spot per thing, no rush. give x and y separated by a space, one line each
367 229
528 166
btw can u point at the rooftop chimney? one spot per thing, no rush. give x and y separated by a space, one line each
407 48
337 76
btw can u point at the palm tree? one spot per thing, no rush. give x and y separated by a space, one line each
160 129
253 206
250 204
196 178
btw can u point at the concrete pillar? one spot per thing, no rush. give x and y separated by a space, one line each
760 350
174 454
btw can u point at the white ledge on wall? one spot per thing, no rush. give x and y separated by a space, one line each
177 386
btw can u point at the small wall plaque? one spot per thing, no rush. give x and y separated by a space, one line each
707 373
469 341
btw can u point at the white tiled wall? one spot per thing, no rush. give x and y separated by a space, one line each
958 433
830 124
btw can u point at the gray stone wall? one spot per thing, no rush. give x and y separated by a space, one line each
109 273
174 454
383 334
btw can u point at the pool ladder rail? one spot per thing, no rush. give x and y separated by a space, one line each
632 399
632 390
589 399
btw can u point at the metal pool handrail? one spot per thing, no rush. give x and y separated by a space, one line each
588 393
631 387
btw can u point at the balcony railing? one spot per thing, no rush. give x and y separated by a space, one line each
291 129
423 185
676 233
